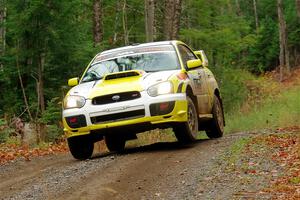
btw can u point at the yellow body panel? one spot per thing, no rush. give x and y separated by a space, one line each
117 86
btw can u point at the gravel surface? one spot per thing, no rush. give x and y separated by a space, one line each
157 171
44 178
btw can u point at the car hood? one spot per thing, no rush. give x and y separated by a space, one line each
92 89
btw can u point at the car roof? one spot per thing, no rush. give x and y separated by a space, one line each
170 42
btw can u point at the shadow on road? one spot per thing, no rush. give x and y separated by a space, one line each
155 147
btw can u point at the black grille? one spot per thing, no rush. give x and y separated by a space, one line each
118 116
113 98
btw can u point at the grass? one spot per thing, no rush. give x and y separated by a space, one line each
274 112
295 180
236 150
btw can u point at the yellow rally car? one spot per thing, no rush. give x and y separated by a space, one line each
133 89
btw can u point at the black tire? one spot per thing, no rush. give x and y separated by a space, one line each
81 147
186 132
216 127
115 143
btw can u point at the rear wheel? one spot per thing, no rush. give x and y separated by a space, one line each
115 143
216 127
186 132
81 147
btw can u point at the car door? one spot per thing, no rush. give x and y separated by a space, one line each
198 78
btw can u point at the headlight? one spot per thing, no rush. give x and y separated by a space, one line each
74 102
160 88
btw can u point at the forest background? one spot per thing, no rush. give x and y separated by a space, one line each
45 42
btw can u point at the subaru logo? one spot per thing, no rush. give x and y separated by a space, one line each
116 98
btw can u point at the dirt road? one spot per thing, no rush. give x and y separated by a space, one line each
157 171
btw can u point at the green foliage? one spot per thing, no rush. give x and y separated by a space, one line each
232 84
13 140
295 180
264 52
284 110
232 39
2 122
4 131
52 115
53 133
56 31
4 135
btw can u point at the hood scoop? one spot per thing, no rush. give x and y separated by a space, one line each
123 74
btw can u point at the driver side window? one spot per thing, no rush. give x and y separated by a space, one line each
186 54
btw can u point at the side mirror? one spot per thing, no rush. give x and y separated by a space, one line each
73 82
191 64
201 55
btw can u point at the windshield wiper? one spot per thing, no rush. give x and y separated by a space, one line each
151 71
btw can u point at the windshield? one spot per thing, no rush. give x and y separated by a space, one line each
148 61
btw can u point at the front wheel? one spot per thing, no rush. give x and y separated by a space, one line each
186 132
115 143
216 127
81 147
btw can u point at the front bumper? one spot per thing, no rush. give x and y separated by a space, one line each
92 112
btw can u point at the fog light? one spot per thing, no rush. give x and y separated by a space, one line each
163 106
73 120
76 121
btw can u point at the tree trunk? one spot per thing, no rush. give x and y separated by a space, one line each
40 133
298 7
40 83
229 6
155 20
22 85
287 54
97 21
124 19
118 10
296 57
172 19
2 30
159 20
149 20
176 22
168 19
255 14
238 8
186 20
284 52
